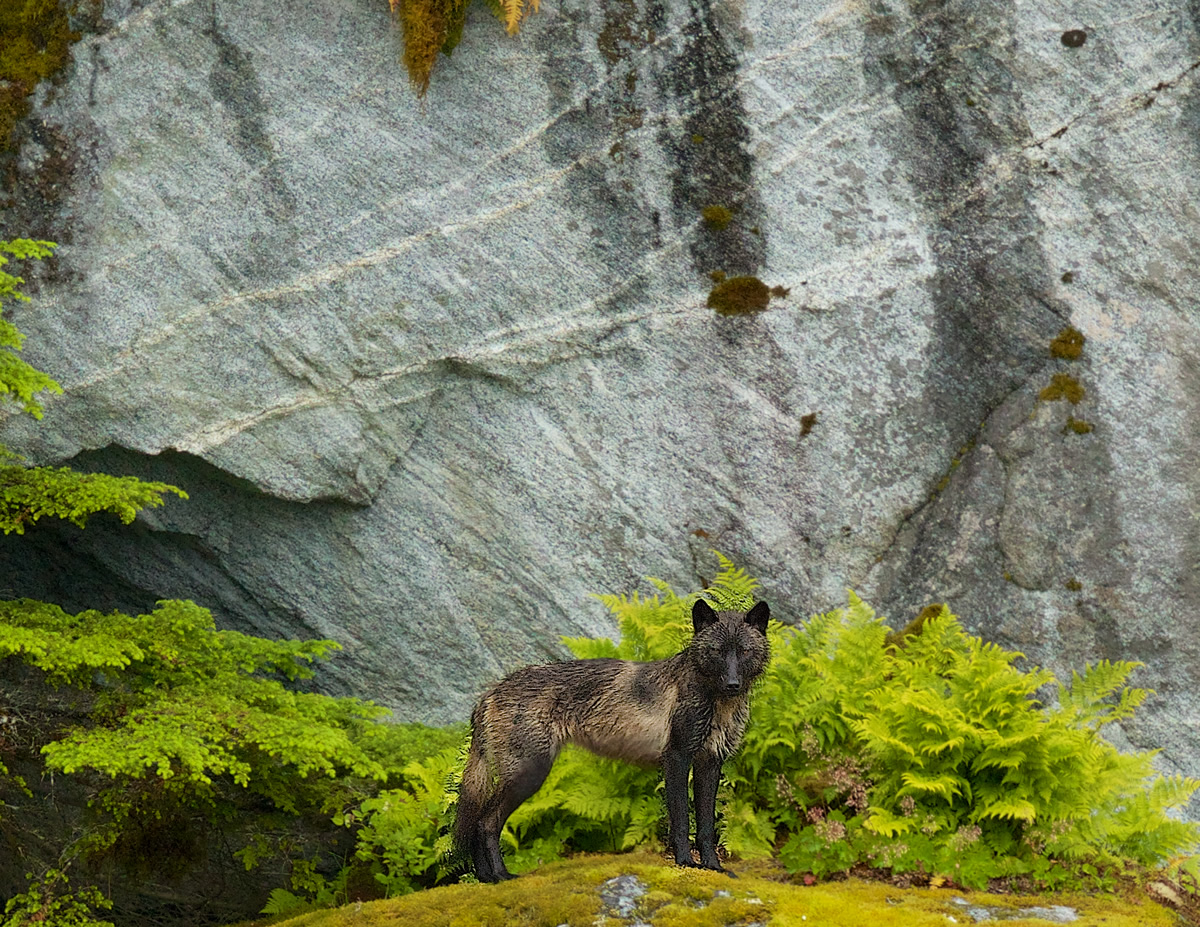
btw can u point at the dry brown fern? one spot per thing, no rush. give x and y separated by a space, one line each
432 26
423 25
515 11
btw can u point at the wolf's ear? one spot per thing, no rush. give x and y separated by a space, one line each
758 617
702 616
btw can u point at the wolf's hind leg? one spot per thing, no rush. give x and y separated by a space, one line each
481 857
516 786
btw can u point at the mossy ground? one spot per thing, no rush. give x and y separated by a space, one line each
567 892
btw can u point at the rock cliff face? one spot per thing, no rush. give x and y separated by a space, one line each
431 372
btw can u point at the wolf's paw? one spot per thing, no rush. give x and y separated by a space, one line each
715 866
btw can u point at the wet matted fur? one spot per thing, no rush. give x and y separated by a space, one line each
687 712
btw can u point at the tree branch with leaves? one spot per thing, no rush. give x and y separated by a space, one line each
28 494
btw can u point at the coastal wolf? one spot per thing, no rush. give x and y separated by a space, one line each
687 712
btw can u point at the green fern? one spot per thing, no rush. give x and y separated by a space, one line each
285 903
405 834
1086 697
731 589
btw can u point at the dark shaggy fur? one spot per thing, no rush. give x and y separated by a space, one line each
687 712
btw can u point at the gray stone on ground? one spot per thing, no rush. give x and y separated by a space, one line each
620 896
1053 914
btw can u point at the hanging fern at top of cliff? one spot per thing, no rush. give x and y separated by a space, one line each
433 26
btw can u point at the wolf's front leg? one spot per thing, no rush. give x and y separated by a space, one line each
706 775
676 764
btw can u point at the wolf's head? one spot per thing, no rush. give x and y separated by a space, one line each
729 648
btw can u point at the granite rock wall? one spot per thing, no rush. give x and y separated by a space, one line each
434 370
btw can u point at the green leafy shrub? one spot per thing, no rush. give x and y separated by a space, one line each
171 697
180 734
50 900
28 494
18 380
164 719
180 737
405 833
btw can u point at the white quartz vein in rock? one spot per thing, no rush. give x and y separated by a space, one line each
359 389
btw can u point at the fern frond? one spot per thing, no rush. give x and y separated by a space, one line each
651 627
513 10
1085 696
589 648
1010 807
664 589
424 26
884 822
731 589
944 786
644 815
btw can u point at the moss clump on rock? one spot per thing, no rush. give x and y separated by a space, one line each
1078 426
1062 386
1068 345
429 27
35 43
742 295
717 217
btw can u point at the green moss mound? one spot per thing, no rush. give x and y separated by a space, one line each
35 43
1062 386
1068 344
741 295
569 892
717 217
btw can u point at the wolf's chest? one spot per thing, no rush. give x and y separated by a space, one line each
728 724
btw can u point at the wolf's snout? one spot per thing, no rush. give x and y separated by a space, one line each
733 674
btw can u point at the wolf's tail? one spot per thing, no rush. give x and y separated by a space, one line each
473 793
